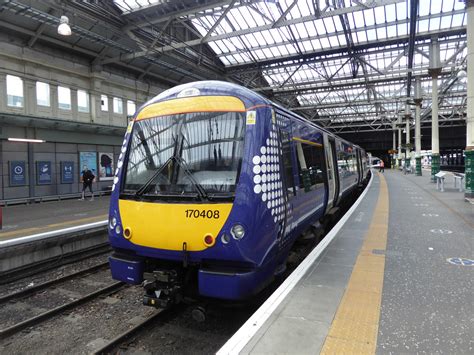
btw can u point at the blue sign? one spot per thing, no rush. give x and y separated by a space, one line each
67 172
17 173
43 172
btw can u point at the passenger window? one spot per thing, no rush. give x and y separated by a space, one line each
287 163
310 165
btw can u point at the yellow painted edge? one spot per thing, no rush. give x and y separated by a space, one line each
355 326
22 232
192 104
307 142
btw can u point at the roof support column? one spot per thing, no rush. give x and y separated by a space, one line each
418 100
469 161
399 141
394 145
434 70
407 142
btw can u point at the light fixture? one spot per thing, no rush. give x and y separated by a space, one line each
26 140
63 28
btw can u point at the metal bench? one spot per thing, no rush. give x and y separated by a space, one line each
440 181
459 177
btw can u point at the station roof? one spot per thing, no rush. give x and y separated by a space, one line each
349 65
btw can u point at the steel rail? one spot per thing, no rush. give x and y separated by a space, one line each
51 313
43 285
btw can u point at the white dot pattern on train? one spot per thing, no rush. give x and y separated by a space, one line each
120 161
267 177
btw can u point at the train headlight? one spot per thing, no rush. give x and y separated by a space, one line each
237 231
225 238
118 230
113 222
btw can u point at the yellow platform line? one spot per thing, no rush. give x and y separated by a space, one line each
48 227
355 326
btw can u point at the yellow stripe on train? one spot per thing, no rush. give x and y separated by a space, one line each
167 225
192 104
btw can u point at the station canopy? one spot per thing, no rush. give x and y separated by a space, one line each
349 65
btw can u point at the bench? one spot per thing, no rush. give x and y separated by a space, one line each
440 181
459 177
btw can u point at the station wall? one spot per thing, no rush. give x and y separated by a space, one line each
55 153
67 132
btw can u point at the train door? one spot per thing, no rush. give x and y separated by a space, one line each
359 166
333 158
331 175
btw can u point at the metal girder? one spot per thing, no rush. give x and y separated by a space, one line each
51 20
411 42
400 40
246 31
365 103
223 15
342 82
180 13
84 51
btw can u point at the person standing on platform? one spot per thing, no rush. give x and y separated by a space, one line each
382 166
87 179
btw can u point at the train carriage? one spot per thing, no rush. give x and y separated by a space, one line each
213 186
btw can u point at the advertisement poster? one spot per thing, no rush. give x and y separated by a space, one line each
88 160
67 172
106 166
17 173
43 172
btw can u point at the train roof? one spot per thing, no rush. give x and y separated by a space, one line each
250 98
213 87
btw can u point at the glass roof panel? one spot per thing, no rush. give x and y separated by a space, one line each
328 61
133 5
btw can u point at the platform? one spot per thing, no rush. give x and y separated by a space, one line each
22 220
396 278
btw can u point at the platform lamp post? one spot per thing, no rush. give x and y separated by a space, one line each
434 70
407 142
418 99
469 161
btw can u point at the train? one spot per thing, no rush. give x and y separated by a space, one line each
214 185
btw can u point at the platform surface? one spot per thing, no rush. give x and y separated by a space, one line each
23 220
391 281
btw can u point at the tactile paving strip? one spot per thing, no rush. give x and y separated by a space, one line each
355 326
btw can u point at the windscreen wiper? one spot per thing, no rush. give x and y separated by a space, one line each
147 184
200 189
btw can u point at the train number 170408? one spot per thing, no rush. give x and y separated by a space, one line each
202 214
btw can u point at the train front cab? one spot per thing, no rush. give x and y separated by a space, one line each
175 226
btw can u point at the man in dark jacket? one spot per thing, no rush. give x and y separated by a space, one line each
87 179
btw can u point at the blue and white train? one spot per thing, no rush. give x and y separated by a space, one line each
214 185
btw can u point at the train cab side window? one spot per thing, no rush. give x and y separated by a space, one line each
310 165
287 163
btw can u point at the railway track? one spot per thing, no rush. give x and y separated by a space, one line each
39 318
46 265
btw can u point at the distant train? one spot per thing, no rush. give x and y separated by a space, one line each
213 186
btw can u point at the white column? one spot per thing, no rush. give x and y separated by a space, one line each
470 77
399 143
417 131
434 117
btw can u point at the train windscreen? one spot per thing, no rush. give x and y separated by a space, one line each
185 155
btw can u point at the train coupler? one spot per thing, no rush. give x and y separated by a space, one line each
162 289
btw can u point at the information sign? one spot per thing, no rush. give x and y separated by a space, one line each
67 172
43 172
17 173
